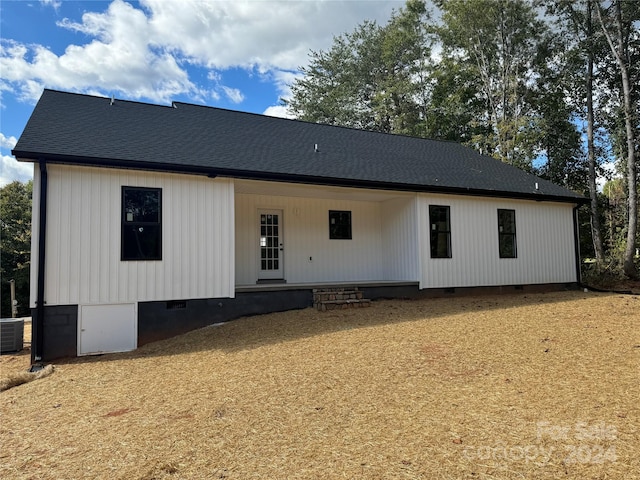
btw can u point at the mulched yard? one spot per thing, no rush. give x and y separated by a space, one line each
516 386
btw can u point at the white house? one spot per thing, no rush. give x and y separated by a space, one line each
151 220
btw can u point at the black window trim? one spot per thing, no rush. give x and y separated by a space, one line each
503 235
123 223
433 253
349 225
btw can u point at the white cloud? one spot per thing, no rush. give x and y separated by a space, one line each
214 76
13 170
143 52
283 80
118 60
216 87
261 34
10 168
233 94
52 3
278 111
7 142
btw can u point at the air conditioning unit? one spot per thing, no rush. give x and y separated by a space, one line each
11 334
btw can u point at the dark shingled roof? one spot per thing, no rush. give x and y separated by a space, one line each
87 130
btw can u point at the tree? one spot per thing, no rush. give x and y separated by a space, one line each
372 78
498 41
454 104
615 214
402 97
15 223
557 138
617 22
576 22
338 85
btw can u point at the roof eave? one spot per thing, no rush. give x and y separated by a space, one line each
291 178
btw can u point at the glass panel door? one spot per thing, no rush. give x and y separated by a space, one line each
270 244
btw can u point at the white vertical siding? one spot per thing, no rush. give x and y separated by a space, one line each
210 239
306 234
400 239
84 233
544 236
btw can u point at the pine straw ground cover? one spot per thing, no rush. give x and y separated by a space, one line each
518 386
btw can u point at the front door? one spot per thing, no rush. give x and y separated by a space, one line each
270 245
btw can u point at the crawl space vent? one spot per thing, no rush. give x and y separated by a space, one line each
176 304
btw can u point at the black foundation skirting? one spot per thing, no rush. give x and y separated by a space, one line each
412 291
160 320
60 331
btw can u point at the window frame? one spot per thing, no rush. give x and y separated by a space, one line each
339 215
503 248
436 233
139 224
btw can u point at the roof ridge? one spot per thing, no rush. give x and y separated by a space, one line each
309 122
100 97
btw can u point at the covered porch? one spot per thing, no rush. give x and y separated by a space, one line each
286 237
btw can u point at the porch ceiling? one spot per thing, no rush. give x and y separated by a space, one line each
281 189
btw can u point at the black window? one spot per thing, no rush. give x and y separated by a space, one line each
507 233
439 219
141 224
339 225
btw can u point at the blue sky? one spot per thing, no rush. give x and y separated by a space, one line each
232 54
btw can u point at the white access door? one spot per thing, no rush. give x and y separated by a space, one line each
270 245
107 328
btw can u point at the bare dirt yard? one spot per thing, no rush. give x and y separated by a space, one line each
517 386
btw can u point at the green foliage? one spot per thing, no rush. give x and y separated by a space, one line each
454 104
556 133
498 41
619 21
614 220
614 215
15 223
337 87
372 78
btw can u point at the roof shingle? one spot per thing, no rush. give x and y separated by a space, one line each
83 129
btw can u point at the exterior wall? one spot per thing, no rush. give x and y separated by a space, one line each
544 236
400 241
83 241
306 234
